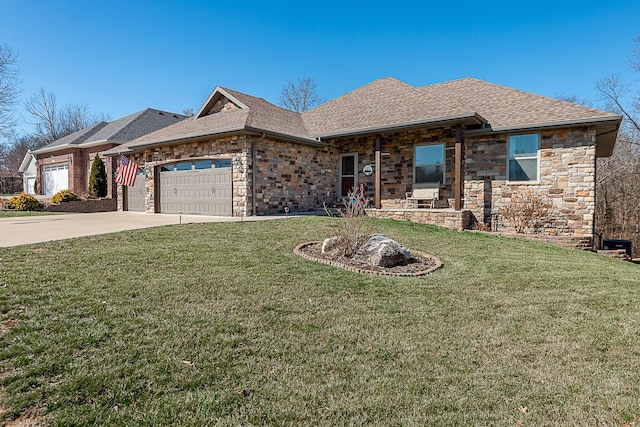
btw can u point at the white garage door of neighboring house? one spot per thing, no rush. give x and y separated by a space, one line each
56 178
136 193
196 187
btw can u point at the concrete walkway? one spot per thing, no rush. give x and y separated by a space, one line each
35 229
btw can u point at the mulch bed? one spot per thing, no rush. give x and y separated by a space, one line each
419 265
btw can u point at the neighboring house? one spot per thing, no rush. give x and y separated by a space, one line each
66 162
28 170
474 144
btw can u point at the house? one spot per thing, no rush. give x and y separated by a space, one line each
66 163
28 170
472 144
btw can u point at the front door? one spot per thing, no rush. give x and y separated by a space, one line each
348 173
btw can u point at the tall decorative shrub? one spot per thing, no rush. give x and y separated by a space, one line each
97 178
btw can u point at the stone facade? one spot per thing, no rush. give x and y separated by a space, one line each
286 174
396 162
449 218
304 178
566 181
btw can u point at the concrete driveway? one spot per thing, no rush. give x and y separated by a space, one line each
35 229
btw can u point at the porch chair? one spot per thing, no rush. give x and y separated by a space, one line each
422 197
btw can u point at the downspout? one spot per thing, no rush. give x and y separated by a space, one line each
253 174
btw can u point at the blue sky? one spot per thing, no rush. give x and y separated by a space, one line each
123 56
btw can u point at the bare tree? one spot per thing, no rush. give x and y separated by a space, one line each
15 151
573 98
53 122
300 96
618 176
9 88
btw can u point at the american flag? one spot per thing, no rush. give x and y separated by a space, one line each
127 171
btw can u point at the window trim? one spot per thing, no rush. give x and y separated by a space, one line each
444 164
536 157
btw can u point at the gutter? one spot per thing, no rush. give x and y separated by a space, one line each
546 125
223 132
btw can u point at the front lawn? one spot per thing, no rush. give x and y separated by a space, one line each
221 324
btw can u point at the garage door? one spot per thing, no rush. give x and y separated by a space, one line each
55 178
196 187
136 193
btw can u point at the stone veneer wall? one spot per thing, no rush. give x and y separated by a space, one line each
397 162
287 174
84 206
449 218
567 181
299 177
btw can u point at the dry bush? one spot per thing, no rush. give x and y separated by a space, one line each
352 231
482 226
526 212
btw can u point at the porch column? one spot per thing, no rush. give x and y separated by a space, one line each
458 170
378 175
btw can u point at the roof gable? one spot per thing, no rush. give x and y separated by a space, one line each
219 100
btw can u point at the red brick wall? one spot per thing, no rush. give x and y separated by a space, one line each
79 161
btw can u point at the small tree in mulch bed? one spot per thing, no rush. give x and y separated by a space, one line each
97 178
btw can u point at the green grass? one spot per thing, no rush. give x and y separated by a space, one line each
13 214
221 324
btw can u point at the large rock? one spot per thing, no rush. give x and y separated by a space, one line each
332 245
382 251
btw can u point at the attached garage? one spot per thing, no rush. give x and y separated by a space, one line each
196 187
136 193
55 178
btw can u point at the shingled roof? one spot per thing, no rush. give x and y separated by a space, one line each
244 113
118 131
384 105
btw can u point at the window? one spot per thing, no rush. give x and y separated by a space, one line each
184 166
203 164
523 157
429 164
223 164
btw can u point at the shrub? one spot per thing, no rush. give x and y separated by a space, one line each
97 178
351 234
526 212
64 196
24 202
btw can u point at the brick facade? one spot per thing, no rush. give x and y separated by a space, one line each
79 161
